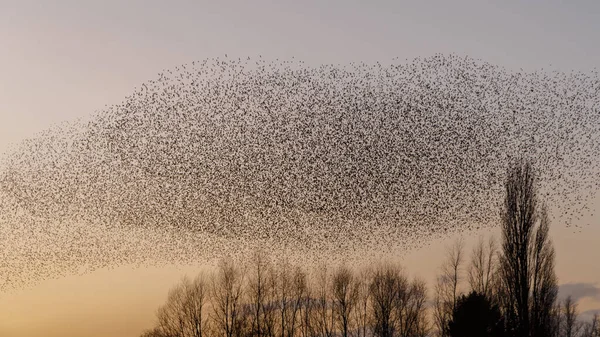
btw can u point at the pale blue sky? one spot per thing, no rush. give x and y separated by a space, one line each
61 60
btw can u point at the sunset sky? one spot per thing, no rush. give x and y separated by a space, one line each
61 60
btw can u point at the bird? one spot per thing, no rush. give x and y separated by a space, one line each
215 157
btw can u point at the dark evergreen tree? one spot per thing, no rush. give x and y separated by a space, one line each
476 316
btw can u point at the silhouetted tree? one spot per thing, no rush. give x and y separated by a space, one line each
447 287
482 270
283 291
156 332
307 326
345 295
183 314
197 294
324 315
258 293
227 292
476 316
527 273
361 312
570 326
297 292
397 305
412 314
591 328
386 287
544 281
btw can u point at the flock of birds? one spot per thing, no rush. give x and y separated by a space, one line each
222 156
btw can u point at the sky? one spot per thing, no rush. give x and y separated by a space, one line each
61 60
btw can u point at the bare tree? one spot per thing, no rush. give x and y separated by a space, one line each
170 317
519 217
527 273
197 293
227 291
544 281
447 288
156 332
440 307
288 292
270 308
570 326
361 312
297 295
591 328
258 293
284 293
556 320
324 317
383 292
388 286
411 310
483 268
182 315
345 295
307 328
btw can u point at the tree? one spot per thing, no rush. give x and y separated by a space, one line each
183 315
290 288
397 305
527 276
283 291
361 312
592 328
170 315
227 291
483 268
544 280
156 332
412 314
258 292
447 288
296 287
197 294
324 319
476 316
570 326
269 325
386 285
307 313
345 295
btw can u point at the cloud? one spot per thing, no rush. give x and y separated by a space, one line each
578 291
589 314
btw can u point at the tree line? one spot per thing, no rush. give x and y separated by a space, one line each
508 289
